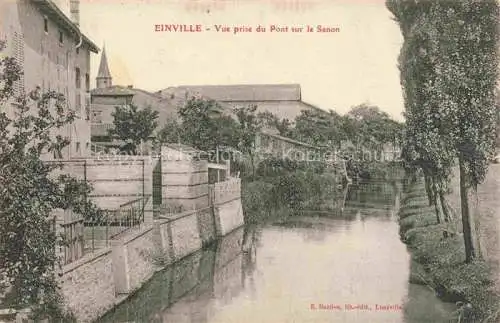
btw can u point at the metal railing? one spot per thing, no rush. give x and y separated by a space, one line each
114 223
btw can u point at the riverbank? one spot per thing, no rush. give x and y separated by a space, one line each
440 262
488 216
279 197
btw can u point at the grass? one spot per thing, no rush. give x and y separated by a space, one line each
440 261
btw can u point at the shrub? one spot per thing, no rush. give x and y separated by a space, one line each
257 199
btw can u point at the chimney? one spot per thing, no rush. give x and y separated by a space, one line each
74 9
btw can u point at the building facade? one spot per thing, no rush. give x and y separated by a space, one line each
282 100
106 97
54 55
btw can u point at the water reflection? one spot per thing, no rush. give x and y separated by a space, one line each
275 273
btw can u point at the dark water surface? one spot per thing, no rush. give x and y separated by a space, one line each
348 267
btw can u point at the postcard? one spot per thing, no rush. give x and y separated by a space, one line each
232 161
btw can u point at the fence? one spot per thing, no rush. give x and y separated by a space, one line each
82 236
73 240
99 232
120 188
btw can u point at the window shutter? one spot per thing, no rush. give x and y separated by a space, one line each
18 53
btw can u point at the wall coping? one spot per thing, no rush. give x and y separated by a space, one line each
86 259
132 235
228 201
164 219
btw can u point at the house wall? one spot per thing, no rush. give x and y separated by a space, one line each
49 64
282 109
167 109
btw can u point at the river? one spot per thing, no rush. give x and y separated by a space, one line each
345 267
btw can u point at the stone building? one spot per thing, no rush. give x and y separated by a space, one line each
106 96
283 100
54 55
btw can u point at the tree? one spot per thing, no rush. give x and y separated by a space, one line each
133 125
271 121
205 126
448 65
318 128
249 124
30 192
171 132
370 126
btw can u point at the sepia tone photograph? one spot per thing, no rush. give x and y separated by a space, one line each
241 161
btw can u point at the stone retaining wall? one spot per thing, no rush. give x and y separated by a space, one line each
88 287
97 282
228 216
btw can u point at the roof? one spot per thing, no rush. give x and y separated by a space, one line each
103 66
299 143
52 10
115 90
246 92
181 94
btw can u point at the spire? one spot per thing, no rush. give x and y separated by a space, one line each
103 78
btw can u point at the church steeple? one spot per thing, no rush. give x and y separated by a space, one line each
104 79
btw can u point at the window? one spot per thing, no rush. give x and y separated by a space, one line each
87 107
61 37
57 153
97 117
18 51
87 82
78 82
77 147
78 104
46 24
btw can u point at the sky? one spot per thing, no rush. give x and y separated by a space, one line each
336 71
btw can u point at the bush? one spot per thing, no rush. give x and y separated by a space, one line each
257 200
291 190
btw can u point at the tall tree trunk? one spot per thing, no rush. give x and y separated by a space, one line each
428 188
448 217
253 165
467 216
434 200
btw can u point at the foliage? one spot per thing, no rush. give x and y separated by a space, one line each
171 132
249 124
30 191
205 126
133 125
273 167
448 65
271 121
318 128
257 199
371 127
